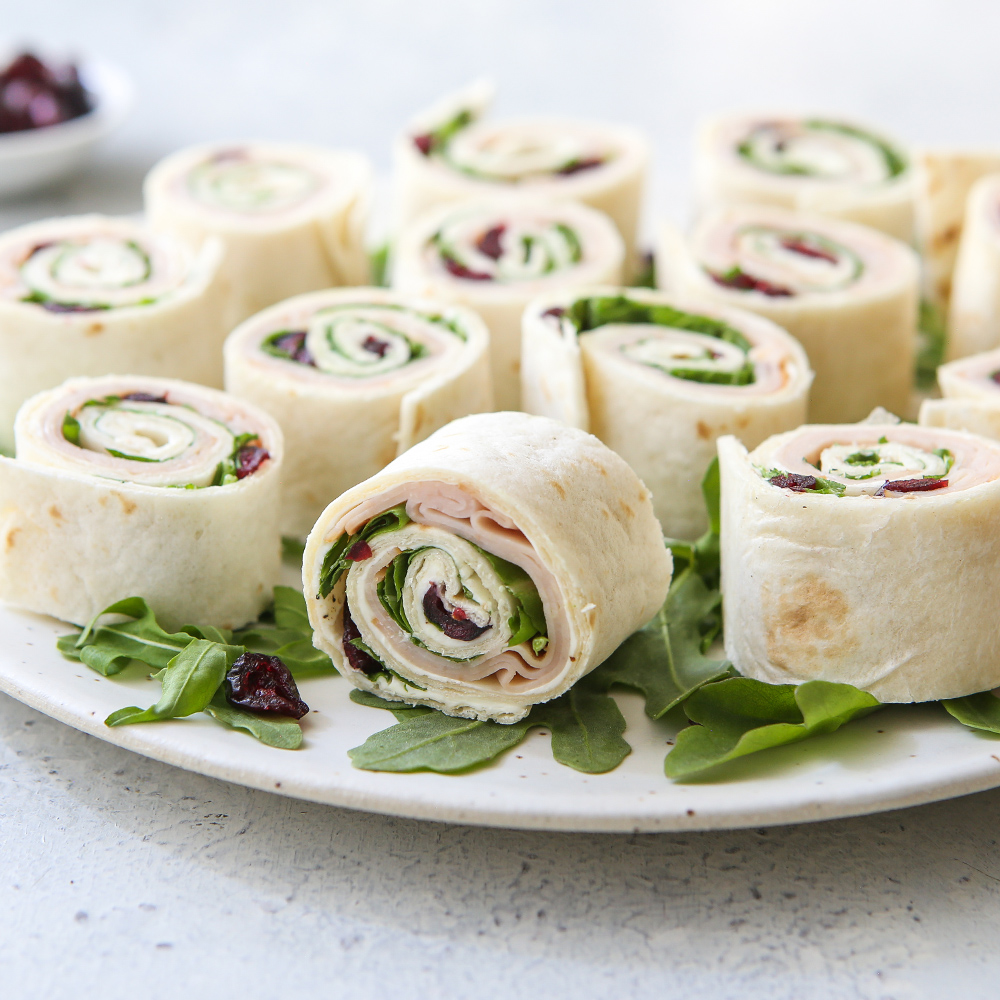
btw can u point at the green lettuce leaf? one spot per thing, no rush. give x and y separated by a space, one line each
586 726
977 711
275 731
109 648
665 661
740 716
189 681
932 339
335 561
436 742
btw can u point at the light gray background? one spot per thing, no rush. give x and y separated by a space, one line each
120 877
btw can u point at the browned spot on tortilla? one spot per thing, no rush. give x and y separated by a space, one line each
127 505
704 431
9 540
55 513
558 488
807 627
388 453
742 423
626 509
94 329
946 237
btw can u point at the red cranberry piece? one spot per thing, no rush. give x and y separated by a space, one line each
357 658
249 459
459 270
425 143
33 95
588 163
293 344
996 377
263 684
489 243
556 312
375 346
793 481
799 246
915 485
463 628
740 280
144 397
359 552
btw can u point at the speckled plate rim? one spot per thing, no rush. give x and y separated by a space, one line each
895 758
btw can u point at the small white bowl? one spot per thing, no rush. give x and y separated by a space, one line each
36 158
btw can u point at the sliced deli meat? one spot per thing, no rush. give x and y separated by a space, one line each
486 569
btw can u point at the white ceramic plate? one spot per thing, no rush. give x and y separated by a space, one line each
896 757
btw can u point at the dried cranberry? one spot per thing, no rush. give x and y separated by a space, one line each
375 346
293 346
738 278
451 624
914 485
33 95
489 243
996 377
264 684
357 658
557 312
67 307
144 397
249 459
459 270
359 551
576 166
793 481
799 246
425 143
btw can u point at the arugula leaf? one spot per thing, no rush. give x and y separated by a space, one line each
529 620
109 648
378 263
398 708
390 588
665 660
702 555
335 561
587 728
189 681
977 711
740 716
292 549
71 428
436 742
932 339
646 275
275 731
290 610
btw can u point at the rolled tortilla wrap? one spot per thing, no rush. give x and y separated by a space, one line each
659 380
450 153
971 390
373 369
847 293
864 554
291 217
486 569
974 314
834 168
942 181
496 256
91 294
126 486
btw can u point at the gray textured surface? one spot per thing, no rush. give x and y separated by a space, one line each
122 878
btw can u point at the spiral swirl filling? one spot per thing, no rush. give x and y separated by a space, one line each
505 250
424 593
821 149
237 181
362 340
